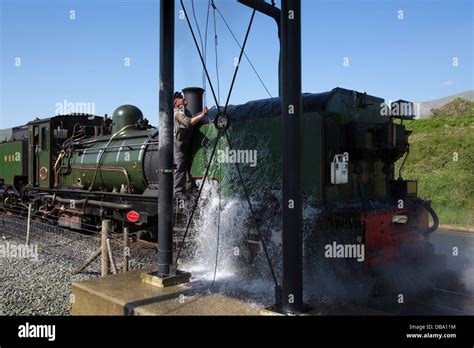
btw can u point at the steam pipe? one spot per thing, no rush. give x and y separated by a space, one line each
81 202
434 216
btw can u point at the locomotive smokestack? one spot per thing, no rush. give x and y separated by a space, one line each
194 97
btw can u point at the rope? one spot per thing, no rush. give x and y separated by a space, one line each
240 59
196 202
204 81
245 54
218 234
229 142
254 217
199 52
216 44
217 104
200 39
197 25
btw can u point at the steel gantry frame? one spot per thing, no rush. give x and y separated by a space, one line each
289 299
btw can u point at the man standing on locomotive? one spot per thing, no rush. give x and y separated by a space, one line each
183 130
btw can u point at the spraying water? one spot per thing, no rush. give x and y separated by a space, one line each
231 272
241 268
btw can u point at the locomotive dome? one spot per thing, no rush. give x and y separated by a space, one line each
125 115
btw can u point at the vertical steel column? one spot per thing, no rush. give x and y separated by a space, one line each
292 282
165 146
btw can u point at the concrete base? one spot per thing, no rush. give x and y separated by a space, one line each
162 282
126 294
322 309
272 310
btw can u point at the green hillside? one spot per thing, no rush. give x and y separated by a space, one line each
442 160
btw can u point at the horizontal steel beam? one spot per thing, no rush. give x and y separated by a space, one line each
263 7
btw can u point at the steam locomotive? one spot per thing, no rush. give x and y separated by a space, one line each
78 169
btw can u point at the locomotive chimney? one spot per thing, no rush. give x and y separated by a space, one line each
194 97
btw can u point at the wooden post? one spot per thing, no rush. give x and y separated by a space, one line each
91 259
126 249
28 225
104 260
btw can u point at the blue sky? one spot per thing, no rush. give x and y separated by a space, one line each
82 60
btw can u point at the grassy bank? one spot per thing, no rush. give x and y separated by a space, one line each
442 160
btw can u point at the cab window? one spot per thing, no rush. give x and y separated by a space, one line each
44 138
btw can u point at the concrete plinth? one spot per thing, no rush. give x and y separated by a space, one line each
322 309
127 294
153 279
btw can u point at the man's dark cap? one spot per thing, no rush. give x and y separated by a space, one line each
178 95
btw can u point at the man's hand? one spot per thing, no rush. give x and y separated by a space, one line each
199 117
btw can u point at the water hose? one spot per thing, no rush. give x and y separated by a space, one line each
433 214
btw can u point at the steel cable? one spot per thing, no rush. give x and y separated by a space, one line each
245 54
228 140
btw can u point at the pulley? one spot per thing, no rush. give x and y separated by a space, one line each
221 121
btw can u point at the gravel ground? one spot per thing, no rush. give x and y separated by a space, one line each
42 285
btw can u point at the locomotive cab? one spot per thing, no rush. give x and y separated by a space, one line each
46 138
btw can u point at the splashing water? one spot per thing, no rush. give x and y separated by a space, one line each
236 272
233 273
467 275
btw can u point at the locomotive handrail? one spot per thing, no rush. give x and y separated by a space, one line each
108 169
101 155
138 134
89 150
56 168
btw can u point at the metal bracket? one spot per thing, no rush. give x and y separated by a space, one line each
221 121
